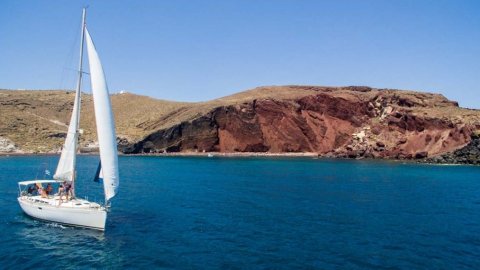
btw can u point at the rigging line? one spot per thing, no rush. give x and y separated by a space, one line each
36 175
69 59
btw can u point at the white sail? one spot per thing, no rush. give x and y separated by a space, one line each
107 139
66 165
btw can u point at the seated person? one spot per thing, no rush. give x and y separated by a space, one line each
32 190
49 189
41 191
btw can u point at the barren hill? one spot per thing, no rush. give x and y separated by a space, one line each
336 121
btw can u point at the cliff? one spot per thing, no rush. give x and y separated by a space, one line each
332 121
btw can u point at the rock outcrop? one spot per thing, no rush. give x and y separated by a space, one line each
470 154
7 146
350 122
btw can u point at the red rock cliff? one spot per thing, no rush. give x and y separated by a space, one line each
342 122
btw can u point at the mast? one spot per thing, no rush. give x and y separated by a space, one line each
78 97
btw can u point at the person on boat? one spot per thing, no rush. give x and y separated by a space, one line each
40 190
68 189
70 192
49 189
61 192
32 189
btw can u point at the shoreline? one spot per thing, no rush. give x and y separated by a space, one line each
185 154
228 154
312 155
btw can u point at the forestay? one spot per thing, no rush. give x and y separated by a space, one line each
107 139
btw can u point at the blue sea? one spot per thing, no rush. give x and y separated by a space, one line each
254 213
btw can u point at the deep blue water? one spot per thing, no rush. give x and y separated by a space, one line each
255 213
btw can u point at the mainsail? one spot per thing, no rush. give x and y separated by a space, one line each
107 139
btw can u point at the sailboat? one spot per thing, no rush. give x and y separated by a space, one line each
36 197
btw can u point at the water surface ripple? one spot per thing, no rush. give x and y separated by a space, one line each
255 213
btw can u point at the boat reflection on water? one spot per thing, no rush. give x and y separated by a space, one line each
50 235
76 246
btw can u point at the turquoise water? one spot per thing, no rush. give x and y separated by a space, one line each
255 213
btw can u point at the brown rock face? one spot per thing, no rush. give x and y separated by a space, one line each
199 134
347 122
258 126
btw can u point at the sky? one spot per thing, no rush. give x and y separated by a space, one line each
200 50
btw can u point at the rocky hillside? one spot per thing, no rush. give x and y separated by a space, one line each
342 122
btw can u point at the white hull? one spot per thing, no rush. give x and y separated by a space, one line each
80 213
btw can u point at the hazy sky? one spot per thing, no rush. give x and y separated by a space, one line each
199 50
